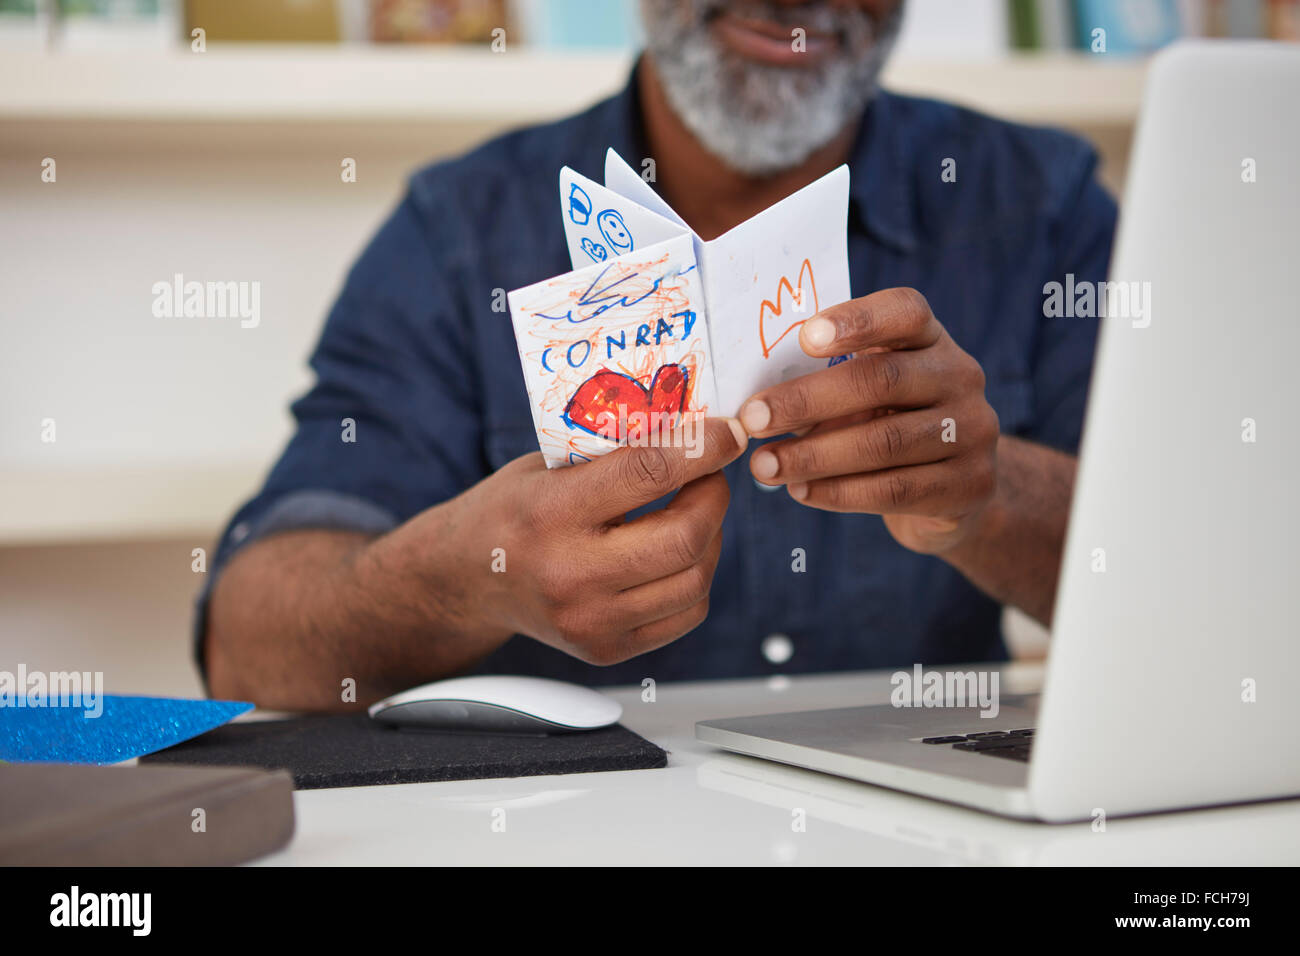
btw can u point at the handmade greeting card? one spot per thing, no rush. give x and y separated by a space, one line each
655 326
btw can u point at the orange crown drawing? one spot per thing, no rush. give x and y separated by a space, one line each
770 311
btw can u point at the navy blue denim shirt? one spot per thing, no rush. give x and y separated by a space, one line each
416 355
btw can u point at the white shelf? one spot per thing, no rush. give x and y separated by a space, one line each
73 506
295 84
1068 89
351 84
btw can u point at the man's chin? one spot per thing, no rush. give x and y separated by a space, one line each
759 119
754 103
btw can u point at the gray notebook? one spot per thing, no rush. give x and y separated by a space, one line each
78 815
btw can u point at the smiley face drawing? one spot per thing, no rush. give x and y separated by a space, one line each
614 229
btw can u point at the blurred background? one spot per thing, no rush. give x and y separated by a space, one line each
140 139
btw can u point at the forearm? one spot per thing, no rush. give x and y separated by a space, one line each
295 615
1014 552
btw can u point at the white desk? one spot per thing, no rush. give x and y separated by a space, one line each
711 807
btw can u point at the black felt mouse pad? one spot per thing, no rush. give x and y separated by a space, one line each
352 750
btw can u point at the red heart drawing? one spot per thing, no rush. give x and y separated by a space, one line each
772 310
606 403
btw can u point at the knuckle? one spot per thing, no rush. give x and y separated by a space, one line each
685 542
719 441
911 305
650 468
552 583
862 379
829 494
698 613
894 437
597 642
699 580
964 377
869 446
800 458
688 620
884 441
791 404
573 626
898 490
604 653
855 322
887 374
915 303
910 298
980 426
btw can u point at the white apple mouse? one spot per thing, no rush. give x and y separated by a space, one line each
493 704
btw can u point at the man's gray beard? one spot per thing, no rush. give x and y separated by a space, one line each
757 118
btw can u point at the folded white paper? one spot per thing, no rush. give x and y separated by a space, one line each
654 324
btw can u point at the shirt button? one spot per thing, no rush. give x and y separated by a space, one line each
777 648
762 487
239 532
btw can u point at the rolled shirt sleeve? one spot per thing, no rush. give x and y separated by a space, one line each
391 425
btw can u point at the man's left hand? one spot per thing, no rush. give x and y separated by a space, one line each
900 429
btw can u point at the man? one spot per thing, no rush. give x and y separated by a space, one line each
437 542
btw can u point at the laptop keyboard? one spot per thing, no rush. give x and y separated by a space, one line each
1008 744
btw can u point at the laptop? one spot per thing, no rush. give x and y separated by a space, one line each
1172 675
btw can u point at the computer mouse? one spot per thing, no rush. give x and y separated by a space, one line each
492 704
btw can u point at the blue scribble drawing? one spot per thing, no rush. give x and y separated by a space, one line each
608 299
836 360
574 458
579 205
605 298
594 249
614 229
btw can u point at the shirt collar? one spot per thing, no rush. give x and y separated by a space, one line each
879 175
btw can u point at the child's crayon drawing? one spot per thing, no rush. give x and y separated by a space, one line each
618 407
771 315
755 276
613 351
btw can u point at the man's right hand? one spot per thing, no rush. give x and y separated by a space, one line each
299 614
577 575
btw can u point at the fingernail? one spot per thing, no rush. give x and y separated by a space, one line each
819 332
738 430
798 491
763 464
755 415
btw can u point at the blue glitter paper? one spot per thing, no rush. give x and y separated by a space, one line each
128 727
